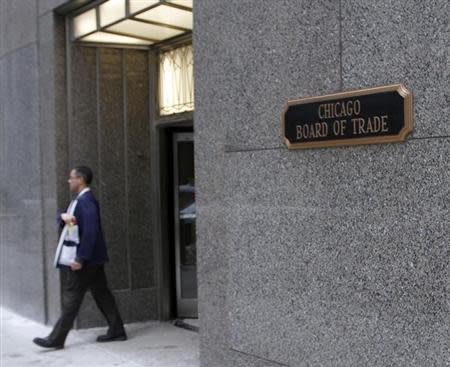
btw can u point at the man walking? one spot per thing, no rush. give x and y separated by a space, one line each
80 257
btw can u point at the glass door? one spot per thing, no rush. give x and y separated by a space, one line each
185 216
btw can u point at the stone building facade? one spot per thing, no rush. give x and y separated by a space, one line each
318 257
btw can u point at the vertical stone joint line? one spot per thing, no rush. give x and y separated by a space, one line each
41 175
125 146
99 121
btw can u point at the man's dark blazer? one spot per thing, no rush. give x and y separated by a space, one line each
92 248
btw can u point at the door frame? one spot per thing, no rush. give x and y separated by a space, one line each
161 128
162 214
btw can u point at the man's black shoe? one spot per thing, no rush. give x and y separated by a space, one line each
112 338
46 343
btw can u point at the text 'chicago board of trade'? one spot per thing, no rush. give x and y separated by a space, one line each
366 116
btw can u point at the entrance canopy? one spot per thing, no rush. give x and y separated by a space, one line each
138 23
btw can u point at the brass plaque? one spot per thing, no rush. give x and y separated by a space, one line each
364 116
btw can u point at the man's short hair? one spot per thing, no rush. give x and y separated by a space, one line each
85 172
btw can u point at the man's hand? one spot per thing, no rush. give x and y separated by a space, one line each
75 266
67 218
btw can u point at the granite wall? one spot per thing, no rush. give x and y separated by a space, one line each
332 256
32 104
109 131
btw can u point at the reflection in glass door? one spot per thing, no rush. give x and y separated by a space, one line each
185 215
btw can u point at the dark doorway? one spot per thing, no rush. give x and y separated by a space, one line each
184 224
179 220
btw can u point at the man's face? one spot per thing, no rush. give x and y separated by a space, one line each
74 181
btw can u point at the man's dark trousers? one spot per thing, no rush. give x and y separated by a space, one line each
74 286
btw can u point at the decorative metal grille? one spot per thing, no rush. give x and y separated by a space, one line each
176 81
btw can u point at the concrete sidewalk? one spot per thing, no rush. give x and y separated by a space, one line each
157 344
